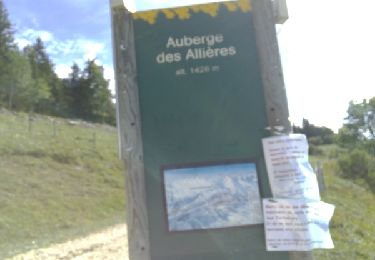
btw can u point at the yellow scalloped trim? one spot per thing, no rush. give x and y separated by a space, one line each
184 13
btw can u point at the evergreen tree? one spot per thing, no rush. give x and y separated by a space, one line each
7 46
6 34
18 95
28 82
75 75
316 134
71 91
95 97
47 88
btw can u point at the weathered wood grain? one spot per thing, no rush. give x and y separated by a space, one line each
280 11
271 70
273 80
128 119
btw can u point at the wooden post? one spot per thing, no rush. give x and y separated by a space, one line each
131 148
54 127
320 177
273 80
271 70
280 11
30 123
94 141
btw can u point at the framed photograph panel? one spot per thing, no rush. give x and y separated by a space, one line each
212 196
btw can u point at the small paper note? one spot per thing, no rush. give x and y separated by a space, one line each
296 225
290 173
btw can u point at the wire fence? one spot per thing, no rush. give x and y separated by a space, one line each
37 129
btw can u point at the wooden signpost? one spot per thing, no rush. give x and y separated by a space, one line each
198 87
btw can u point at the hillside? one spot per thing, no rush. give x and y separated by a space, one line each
58 179
61 179
353 224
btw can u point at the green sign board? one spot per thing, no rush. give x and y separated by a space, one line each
203 115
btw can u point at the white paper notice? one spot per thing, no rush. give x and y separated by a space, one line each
290 173
294 225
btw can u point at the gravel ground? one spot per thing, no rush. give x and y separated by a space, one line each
111 243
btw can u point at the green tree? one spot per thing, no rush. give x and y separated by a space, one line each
317 135
354 164
71 92
75 75
6 35
361 118
20 82
15 70
360 124
44 77
98 106
7 46
370 117
89 96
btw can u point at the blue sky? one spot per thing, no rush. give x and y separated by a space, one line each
72 30
327 47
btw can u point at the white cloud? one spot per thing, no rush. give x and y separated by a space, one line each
82 3
22 43
85 49
109 74
63 70
80 48
46 36
28 34
91 48
75 50
66 52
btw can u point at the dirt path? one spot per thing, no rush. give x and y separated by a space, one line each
111 243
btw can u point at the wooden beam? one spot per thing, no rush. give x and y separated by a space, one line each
272 78
270 65
280 11
129 125
117 3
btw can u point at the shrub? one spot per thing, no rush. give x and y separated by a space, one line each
369 146
316 140
371 174
334 153
315 150
354 164
358 164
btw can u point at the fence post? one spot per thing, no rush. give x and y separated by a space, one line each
54 128
94 140
30 123
320 176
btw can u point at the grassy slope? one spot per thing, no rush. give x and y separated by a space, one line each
58 184
55 181
353 224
